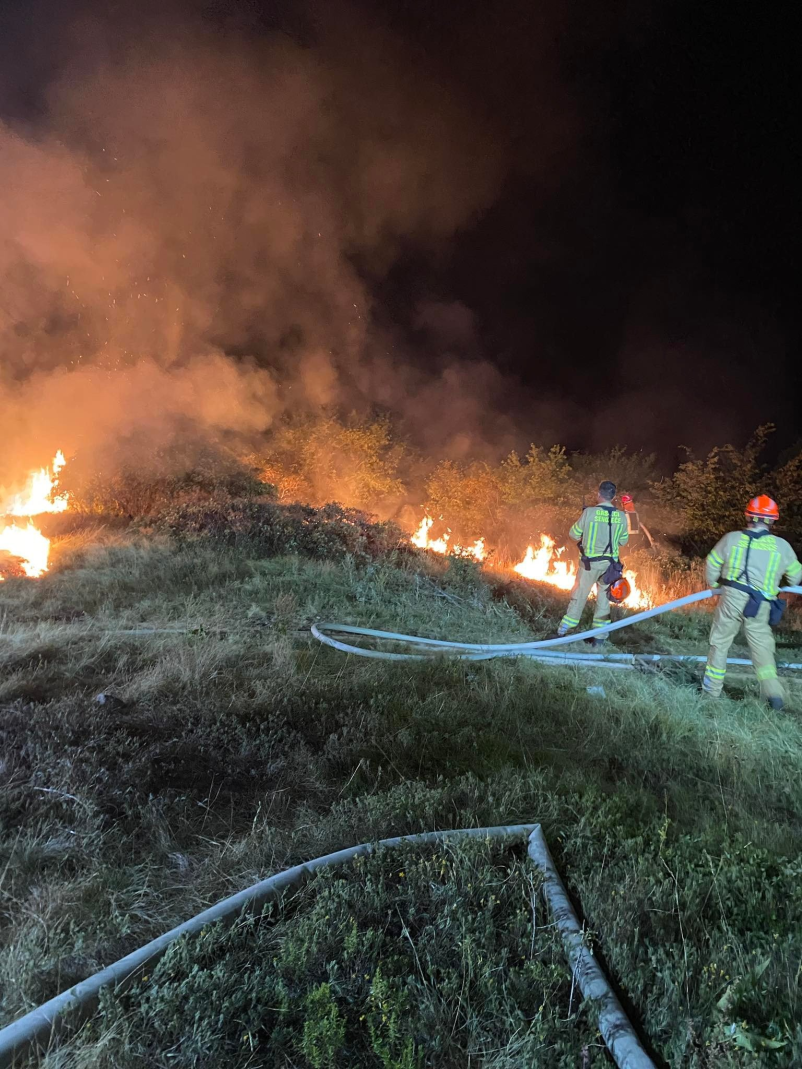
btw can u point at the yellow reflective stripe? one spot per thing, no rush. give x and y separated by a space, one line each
735 563
568 621
590 541
771 579
793 570
768 671
765 557
599 532
601 623
715 673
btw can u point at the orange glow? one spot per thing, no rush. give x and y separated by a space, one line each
39 496
544 566
421 539
638 599
29 544
541 565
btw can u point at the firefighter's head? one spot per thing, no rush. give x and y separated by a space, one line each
606 492
762 509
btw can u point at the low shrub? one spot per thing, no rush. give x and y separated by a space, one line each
138 489
328 533
403 959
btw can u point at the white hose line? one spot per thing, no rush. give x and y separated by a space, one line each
619 1035
37 1028
641 659
479 652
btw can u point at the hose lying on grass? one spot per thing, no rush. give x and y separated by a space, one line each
614 1025
540 650
36 1028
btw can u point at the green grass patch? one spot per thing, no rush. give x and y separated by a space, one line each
240 746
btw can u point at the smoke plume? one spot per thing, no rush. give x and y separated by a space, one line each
190 229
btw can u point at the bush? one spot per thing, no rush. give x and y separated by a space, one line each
146 489
406 958
506 503
709 495
633 473
788 483
325 459
328 533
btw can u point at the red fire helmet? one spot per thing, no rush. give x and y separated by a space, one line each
627 502
763 508
619 591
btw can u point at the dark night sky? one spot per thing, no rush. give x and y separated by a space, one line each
660 270
635 273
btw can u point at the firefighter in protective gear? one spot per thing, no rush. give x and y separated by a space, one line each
600 531
748 567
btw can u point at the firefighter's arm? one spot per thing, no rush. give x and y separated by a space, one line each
623 537
714 563
793 571
578 529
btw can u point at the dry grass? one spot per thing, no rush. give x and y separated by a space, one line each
242 746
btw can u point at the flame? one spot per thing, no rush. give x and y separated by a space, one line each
638 599
543 566
422 540
40 495
30 545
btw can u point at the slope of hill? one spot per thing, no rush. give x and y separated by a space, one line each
238 746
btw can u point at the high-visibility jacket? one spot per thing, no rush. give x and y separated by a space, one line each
600 530
756 560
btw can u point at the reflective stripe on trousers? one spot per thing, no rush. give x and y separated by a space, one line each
727 621
581 592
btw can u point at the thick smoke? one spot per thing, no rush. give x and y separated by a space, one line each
191 229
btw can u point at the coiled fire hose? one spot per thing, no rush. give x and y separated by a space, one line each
36 1028
541 650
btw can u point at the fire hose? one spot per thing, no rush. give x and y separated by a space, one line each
36 1028
541 650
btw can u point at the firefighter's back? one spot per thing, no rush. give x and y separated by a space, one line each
760 561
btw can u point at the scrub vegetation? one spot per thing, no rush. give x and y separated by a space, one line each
509 501
230 745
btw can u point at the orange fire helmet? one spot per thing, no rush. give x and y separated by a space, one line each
763 508
619 591
627 502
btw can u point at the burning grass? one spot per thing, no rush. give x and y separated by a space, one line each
242 747
23 546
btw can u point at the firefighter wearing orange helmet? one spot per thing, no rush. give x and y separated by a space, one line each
748 567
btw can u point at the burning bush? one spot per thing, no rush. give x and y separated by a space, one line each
504 502
154 480
11 566
325 459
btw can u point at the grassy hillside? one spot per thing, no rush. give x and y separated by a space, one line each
240 746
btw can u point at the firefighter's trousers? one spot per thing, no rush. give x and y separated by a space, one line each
727 620
579 595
